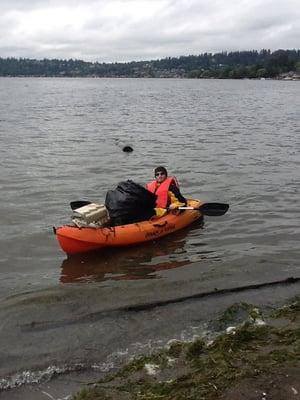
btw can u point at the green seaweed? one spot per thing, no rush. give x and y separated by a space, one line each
205 370
175 349
290 311
195 349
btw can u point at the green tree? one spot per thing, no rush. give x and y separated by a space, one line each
261 73
195 73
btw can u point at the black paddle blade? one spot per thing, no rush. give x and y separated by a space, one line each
79 203
214 209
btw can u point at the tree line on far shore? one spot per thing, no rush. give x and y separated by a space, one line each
225 65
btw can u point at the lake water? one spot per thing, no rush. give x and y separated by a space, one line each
61 140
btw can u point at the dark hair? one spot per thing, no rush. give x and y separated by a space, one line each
161 169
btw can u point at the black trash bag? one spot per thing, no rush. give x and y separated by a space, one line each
129 203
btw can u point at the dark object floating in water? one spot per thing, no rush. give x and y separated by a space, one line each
127 149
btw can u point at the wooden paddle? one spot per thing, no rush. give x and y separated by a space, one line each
209 209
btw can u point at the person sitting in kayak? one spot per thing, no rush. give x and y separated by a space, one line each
167 192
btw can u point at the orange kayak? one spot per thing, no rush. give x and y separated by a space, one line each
74 240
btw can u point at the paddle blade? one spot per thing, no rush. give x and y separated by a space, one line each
214 209
79 203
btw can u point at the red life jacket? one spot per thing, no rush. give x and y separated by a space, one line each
161 191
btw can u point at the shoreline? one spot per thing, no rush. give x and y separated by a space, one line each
211 314
256 358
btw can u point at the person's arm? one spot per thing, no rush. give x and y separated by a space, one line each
175 197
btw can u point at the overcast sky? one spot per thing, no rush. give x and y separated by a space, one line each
127 30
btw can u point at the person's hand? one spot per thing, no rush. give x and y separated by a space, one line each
174 209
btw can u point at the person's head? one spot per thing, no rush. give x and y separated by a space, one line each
160 174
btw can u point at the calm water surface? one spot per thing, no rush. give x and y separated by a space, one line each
61 140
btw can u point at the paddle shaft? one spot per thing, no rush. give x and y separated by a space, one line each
209 209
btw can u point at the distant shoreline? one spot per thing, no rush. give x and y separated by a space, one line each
263 64
278 78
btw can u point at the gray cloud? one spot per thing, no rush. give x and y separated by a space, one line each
125 30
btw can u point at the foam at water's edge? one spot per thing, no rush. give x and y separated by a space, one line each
35 377
114 360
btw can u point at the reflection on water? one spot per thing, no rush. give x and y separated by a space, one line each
136 262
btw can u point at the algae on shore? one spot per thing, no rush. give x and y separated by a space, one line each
259 356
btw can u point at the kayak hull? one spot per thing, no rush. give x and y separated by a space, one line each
74 240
